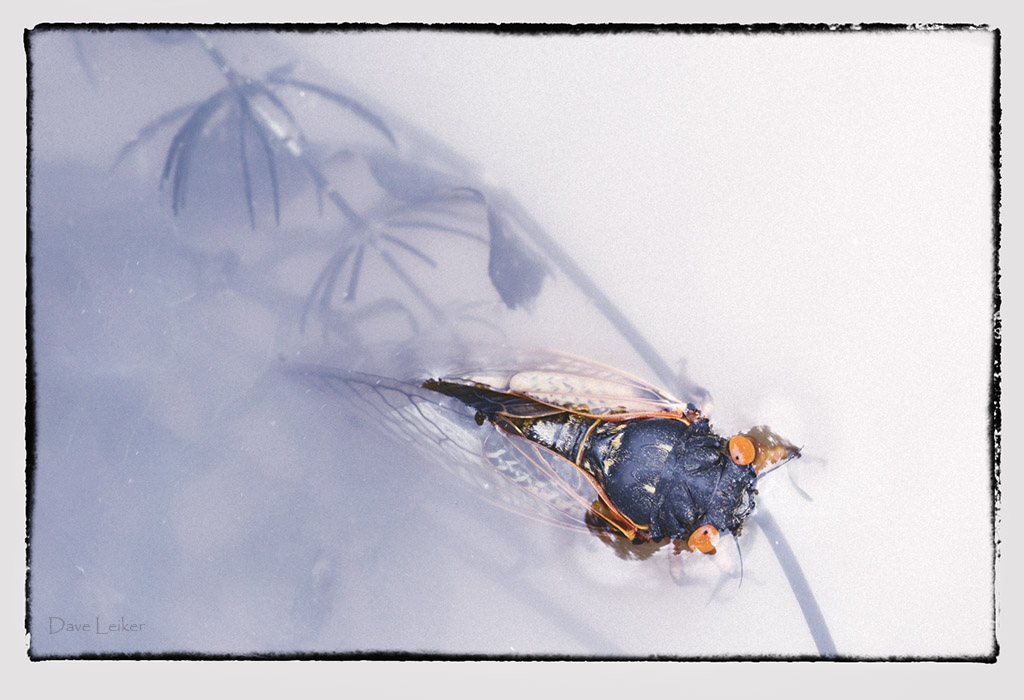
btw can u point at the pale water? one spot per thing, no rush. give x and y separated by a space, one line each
802 221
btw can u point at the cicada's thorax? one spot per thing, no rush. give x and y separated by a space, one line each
666 475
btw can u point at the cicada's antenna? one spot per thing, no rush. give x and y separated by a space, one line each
793 474
803 494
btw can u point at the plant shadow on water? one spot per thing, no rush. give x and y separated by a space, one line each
210 269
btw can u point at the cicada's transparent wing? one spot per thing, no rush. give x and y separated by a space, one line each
581 386
541 485
572 499
509 472
405 412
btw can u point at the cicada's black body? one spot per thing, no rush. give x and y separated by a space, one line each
656 477
670 476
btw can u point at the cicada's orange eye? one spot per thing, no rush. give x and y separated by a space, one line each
704 539
742 451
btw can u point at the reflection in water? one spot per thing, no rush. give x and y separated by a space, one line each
199 468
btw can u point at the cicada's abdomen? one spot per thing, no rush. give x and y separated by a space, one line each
630 459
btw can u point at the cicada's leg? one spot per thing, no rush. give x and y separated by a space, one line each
604 523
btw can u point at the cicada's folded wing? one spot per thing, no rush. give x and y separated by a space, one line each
509 472
580 386
490 402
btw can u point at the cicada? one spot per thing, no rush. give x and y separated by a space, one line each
577 443
655 464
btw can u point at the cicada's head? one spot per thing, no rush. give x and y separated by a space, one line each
712 492
702 487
